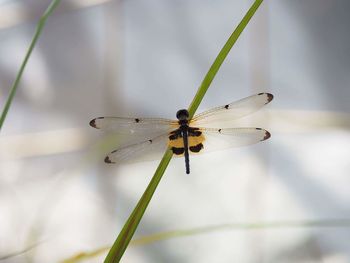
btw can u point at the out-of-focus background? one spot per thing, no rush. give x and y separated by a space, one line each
146 58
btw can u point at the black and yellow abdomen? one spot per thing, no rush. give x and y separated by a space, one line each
195 141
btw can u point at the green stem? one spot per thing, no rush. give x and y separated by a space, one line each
221 57
38 31
124 237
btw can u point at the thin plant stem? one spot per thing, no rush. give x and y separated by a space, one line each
221 57
39 28
117 250
167 235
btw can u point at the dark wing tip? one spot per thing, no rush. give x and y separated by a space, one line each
267 135
107 160
268 95
93 122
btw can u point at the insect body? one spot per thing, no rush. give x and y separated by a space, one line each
185 136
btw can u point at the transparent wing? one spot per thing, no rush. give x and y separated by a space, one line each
134 126
219 139
152 149
231 111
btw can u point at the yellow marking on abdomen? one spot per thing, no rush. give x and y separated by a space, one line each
195 140
177 143
192 141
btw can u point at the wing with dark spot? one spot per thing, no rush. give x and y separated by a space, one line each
134 126
218 139
152 149
232 111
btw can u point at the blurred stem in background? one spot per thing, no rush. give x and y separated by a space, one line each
39 28
116 252
149 239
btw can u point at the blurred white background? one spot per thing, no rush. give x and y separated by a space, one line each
146 58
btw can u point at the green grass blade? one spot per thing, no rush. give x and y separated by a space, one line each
124 237
37 34
149 239
241 226
221 57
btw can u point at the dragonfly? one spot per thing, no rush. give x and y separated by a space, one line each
185 135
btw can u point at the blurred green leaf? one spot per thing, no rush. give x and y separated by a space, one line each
86 255
40 26
145 240
124 237
18 253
